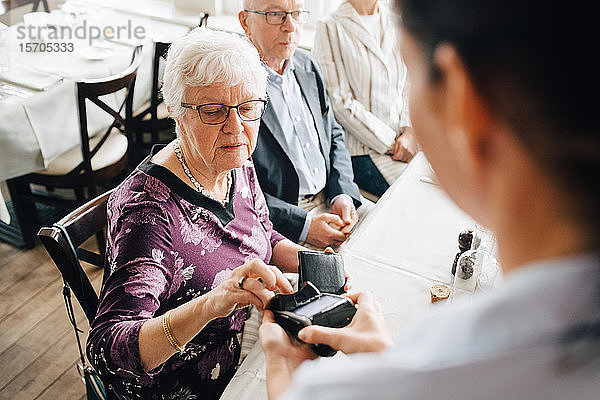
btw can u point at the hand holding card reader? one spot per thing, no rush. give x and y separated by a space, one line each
308 307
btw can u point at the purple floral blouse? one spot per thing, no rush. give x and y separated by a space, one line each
168 244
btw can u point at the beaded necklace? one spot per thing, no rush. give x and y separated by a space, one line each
197 184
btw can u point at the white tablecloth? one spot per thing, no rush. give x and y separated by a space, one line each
406 244
36 130
413 228
186 12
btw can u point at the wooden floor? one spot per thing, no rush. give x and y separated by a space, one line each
38 352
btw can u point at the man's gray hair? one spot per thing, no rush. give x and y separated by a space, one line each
206 57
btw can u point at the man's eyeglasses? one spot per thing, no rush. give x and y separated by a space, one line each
215 113
279 17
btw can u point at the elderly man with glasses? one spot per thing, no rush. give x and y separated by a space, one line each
301 160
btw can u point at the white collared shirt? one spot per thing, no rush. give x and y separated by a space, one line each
301 136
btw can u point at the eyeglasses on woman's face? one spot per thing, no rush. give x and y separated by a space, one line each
216 113
279 17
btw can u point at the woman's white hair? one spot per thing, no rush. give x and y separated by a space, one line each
206 57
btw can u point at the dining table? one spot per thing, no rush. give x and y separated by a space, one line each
185 12
45 56
403 247
38 75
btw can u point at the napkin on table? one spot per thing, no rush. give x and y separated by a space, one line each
29 79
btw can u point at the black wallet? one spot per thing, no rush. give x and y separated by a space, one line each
308 307
324 270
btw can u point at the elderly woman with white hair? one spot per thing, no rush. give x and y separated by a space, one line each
189 236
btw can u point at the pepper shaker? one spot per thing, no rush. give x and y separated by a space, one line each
465 240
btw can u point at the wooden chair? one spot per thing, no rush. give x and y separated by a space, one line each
8 5
79 225
153 116
63 241
97 160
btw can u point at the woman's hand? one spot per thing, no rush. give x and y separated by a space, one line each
367 332
405 146
252 283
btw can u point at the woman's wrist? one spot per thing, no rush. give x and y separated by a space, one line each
189 320
285 256
204 309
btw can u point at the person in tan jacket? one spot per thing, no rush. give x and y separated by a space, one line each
365 77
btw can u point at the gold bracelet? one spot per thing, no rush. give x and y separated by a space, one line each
169 332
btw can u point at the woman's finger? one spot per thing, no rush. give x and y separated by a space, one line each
282 282
396 146
256 269
245 298
399 154
258 289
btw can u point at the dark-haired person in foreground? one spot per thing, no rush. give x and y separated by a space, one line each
503 106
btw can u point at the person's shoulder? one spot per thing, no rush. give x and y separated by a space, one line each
329 19
132 186
140 190
305 60
343 13
302 57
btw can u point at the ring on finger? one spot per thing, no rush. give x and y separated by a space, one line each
241 282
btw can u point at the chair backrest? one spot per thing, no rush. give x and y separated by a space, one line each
203 19
92 90
160 51
36 4
77 227
156 124
7 5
